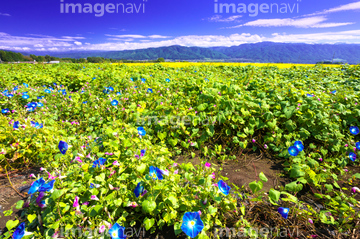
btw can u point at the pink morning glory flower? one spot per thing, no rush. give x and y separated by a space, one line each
207 164
76 202
102 229
94 197
50 176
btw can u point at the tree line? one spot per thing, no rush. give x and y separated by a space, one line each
9 56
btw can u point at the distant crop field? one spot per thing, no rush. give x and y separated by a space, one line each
186 64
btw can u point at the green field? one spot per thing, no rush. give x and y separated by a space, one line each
82 124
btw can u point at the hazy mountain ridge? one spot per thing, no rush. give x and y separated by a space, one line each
255 52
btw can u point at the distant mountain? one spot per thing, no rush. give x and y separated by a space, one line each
170 53
257 52
293 52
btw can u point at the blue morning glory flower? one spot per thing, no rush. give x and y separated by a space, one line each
97 163
26 85
16 125
85 102
354 130
333 92
142 152
192 224
131 79
36 125
39 104
15 88
299 145
141 131
5 111
110 88
143 80
155 173
36 185
47 91
19 231
117 232
114 102
149 90
168 80
308 95
284 212
94 78
40 97
139 189
25 97
47 187
30 109
106 91
207 80
293 151
63 147
33 104
358 145
118 93
10 95
223 187
352 156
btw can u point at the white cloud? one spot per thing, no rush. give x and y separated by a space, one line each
347 7
158 37
9 42
126 36
5 14
136 36
78 43
219 18
308 22
37 41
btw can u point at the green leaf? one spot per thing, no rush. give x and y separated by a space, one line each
31 217
177 228
296 172
100 178
148 206
56 194
19 204
172 200
212 210
56 225
294 187
357 175
149 223
274 195
263 177
256 186
95 211
11 224
141 168
289 111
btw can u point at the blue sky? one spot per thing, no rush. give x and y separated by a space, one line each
57 25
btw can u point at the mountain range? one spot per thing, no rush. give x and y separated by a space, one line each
267 52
